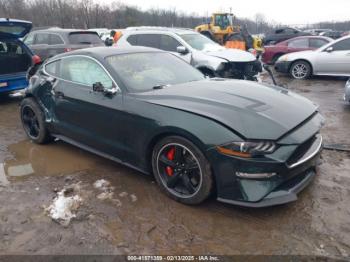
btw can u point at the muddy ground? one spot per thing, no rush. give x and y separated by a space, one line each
138 219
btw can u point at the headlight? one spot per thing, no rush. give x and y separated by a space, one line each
283 58
247 149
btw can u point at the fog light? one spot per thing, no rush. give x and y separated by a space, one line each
255 175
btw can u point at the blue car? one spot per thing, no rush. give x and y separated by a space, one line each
15 57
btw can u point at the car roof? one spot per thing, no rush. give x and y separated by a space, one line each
311 37
62 30
104 51
148 29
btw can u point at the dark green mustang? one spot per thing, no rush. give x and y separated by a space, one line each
251 144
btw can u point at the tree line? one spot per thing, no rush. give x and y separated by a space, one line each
92 14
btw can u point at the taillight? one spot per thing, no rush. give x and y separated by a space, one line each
67 49
36 59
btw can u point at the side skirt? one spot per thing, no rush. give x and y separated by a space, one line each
99 153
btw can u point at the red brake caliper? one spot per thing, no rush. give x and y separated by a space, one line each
170 155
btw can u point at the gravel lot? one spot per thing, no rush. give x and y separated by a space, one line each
134 217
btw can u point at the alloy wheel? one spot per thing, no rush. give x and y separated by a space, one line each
179 170
30 122
300 71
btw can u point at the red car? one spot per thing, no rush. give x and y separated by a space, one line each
301 43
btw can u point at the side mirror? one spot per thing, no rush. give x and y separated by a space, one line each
98 87
329 49
182 50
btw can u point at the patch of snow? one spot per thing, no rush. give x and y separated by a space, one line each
133 198
123 194
101 184
63 208
105 195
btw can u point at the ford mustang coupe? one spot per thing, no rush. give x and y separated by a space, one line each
251 144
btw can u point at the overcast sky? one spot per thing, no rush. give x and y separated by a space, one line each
282 11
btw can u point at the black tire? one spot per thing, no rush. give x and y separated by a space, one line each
33 121
300 70
199 176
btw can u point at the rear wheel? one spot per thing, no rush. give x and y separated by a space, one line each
300 70
181 170
33 121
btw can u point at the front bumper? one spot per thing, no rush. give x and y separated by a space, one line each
284 195
282 66
295 167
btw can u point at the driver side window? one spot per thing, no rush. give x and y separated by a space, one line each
84 71
343 45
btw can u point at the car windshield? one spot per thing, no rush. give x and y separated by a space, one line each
141 72
201 43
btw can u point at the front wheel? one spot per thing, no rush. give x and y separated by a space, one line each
300 70
33 121
181 170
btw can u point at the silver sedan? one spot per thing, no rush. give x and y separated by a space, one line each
332 59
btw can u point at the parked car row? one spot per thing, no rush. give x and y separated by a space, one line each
332 59
210 58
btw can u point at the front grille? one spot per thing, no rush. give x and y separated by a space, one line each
241 70
305 151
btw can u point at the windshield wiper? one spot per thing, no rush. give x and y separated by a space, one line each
86 42
160 86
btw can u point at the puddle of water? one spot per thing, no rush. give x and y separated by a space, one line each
45 160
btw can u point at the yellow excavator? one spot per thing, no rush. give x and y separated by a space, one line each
221 29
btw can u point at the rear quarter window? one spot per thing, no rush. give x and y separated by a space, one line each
316 43
132 40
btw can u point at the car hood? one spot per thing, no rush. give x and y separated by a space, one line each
12 28
253 110
232 55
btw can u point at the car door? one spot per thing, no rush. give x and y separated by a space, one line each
85 116
170 44
334 59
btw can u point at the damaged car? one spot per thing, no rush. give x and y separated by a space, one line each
152 111
15 57
212 59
